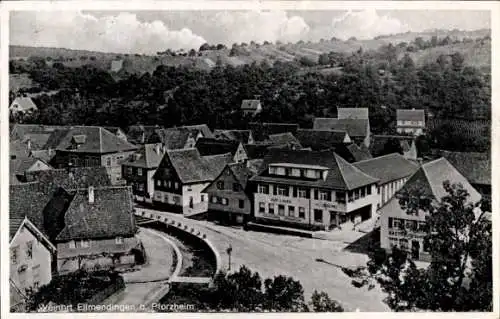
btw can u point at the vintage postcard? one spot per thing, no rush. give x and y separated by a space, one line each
243 157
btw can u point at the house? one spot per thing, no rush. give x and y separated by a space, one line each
143 134
199 129
91 146
99 230
358 153
138 170
19 131
287 139
117 131
18 168
22 104
357 129
251 107
183 137
476 167
387 144
17 298
229 199
392 170
319 140
212 146
116 65
312 190
181 177
242 136
353 113
410 121
261 131
407 231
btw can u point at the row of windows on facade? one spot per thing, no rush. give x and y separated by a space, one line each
85 243
317 194
35 273
130 171
177 199
297 172
225 201
403 243
14 252
318 213
406 224
91 161
236 186
419 123
167 184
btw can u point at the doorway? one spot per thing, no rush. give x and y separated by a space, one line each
415 249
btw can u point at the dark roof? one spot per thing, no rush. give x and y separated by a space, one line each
378 143
93 139
76 177
195 129
44 155
148 156
18 149
141 134
284 139
111 215
189 166
319 140
359 153
353 127
256 151
18 131
37 141
20 165
174 138
410 115
242 136
241 172
341 175
14 224
212 146
476 167
261 131
388 168
250 104
360 113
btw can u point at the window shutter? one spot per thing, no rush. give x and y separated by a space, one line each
294 188
308 193
275 190
390 222
315 194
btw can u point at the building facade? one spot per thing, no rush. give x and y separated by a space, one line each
410 122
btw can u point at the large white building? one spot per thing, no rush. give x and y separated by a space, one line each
410 121
312 190
397 228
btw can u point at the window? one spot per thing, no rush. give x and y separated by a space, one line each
302 193
310 173
295 172
351 196
271 208
202 197
241 203
403 242
363 192
129 170
282 190
220 185
72 244
280 171
108 161
141 187
302 212
214 199
281 210
176 185
340 196
272 170
262 207
291 211
393 241
369 190
324 195
318 215
29 250
119 240
158 183
263 189
390 222
14 254
378 190
139 171
224 201
236 187
356 194
84 243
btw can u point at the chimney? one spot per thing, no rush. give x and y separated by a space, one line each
91 194
143 137
157 149
29 144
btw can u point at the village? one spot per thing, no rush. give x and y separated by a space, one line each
276 194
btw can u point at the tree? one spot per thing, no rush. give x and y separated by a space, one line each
458 240
204 47
192 52
283 294
321 302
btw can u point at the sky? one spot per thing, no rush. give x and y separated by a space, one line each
151 31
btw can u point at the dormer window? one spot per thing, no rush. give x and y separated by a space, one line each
272 170
281 171
295 172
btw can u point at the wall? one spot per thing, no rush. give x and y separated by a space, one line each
41 257
115 170
227 177
240 155
194 191
386 192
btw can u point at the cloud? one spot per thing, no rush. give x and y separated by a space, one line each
120 33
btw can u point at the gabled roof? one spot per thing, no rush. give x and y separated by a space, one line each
212 146
195 129
251 105
284 139
148 156
111 215
476 167
256 151
25 103
261 131
388 168
113 129
174 138
359 153
93 139
189 166
22 164
319 140
378 143
15 224
429 178
356 113
353 127
341 175
44 155
18 131
37 141
18 149
410 115
241 172
242 136
76 177
140 134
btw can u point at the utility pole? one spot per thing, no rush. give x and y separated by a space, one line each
229 250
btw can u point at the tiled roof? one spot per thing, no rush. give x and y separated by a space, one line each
37 141
261 131
14 224
476 167
378 143
148 156
96 140
358 113
111 215
212 146
353 127
195 129
18 131
237 135
284 139
18 149
141 134
341 175
319 140
22 164
359 153
174 138
388 168
241 172
250 104
256 151
76 177
25 103
190 166
113 129
410 115
44 155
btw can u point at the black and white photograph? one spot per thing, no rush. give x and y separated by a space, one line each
261 160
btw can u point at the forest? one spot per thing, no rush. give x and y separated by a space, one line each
382 80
